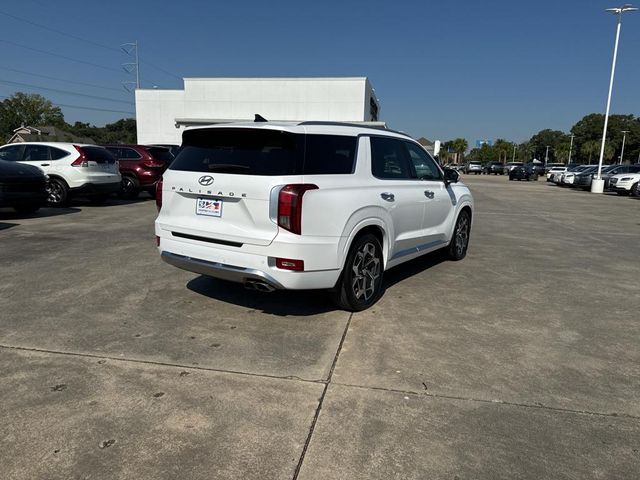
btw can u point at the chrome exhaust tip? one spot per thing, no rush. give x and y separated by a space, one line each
259 286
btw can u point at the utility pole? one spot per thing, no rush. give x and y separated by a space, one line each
131 49
570 148
513 158
624 137
546 155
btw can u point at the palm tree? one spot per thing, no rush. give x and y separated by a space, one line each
459 146
590 148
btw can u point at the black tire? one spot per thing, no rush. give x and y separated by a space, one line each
622 193
635 189
57 192
27 208
360 284
460 241
129 187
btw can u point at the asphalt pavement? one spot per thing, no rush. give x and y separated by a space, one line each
519 362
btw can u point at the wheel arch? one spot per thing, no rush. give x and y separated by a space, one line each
376 227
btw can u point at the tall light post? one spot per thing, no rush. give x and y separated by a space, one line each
597 185
513 158
546 155
570 148
624 137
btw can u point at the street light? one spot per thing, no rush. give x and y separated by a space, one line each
624 137
597 185
570 148
546 156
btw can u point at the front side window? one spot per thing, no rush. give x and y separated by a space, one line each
389 159
12 153
424 166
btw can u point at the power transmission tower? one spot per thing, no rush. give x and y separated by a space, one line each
131 49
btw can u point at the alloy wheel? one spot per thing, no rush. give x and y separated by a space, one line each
54 192
366 271
462 235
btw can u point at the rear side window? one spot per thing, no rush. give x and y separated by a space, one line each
634 168
36 153
129 154
389 160
329 154
98 155
57 154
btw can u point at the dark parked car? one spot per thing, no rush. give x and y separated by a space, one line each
141 166
526 172
496 168
583 178
538 167
22 187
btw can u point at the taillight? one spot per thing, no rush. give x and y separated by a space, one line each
159 194
290 206
81 161
153 164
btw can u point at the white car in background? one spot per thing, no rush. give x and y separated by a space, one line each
311 205
555 171
73 169
625 184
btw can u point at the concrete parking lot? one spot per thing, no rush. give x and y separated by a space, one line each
522 361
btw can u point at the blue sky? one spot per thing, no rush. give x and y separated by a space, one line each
441 69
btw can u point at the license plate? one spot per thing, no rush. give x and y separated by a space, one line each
209 207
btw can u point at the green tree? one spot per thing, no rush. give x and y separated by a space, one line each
550 138
589 149
30 110
459 146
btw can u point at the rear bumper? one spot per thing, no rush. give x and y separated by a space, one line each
253 263
96 189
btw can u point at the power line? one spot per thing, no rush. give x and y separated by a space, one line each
66 92
53 54
85 108
92 85
90 42
59 32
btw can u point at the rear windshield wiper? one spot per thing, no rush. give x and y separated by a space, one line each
225 167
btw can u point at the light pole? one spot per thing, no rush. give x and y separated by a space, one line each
570 148
513 158
597 185
546 156
624 137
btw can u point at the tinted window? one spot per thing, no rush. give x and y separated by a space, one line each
240 151
634 169
57 154
129 154
162 154
329 154
12 153
423 164
265 152
115 151
98 155
36 153
388 158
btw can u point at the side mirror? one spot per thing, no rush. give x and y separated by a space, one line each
451 176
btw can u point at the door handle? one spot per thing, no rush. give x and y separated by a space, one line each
429 194
389 197
45 164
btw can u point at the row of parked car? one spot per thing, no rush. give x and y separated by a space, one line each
622 179
34 174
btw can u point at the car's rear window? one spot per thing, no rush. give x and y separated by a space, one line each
161 153
265 152
98 155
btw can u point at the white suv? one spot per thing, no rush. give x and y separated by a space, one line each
625 184
83 170
314 205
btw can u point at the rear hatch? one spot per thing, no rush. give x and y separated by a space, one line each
219 187
98 163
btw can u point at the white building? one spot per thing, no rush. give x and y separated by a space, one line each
163 114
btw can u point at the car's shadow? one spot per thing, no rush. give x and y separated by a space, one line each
9 214
302 302
281 302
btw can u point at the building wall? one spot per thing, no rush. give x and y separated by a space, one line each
239 99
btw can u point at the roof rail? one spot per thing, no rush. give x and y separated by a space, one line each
357 125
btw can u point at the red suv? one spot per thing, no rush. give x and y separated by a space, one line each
141 167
